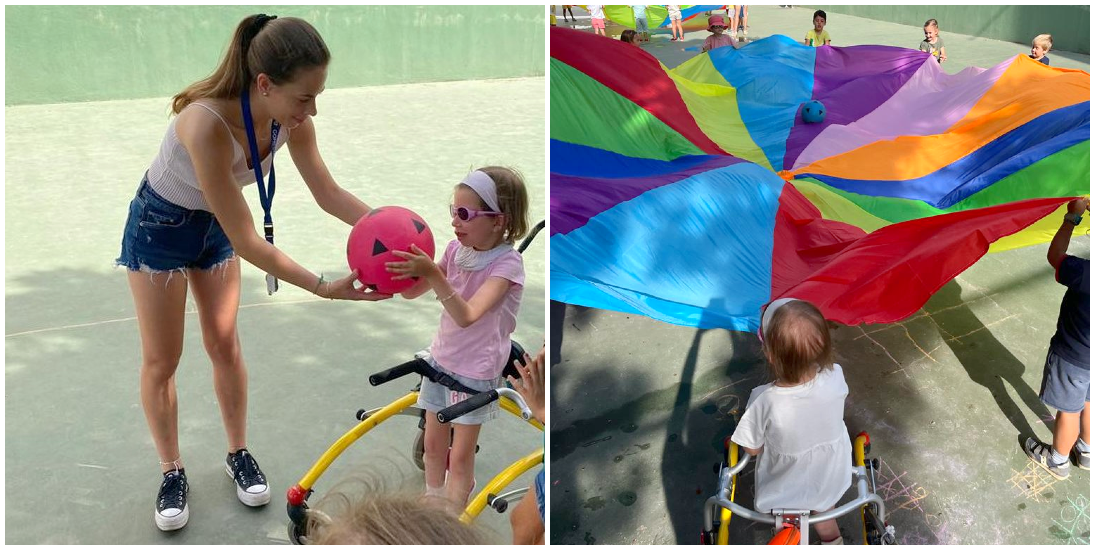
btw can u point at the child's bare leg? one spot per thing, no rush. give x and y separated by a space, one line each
437 449
1085 423
462 462
1066 428
827 530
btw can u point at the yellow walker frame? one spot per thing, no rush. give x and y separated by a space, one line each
491 494
795 523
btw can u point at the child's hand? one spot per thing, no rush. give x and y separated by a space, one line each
1078 206
531 384
417 264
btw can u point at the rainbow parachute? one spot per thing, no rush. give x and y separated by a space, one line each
697 195
656 16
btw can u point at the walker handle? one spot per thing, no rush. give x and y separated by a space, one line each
412 366
466 406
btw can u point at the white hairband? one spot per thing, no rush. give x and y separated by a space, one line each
483 186
770 312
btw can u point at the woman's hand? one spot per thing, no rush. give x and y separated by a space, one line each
343 289
417 264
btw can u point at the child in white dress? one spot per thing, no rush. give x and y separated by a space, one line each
795 425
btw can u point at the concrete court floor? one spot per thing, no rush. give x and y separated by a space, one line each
640 408
80 465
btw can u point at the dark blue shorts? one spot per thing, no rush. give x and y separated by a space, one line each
540 493
1065 386
163 236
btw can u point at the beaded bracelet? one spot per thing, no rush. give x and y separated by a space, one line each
446 298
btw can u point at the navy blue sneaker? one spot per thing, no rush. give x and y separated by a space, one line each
251 487
171 509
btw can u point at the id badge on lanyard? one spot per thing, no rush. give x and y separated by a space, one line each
267 200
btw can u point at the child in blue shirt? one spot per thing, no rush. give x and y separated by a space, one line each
1066 380
1040 46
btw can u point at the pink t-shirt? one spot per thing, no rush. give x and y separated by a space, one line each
717 41
480 350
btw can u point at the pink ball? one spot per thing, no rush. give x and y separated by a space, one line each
373 239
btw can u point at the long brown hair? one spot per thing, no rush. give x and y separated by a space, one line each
797 340
278 47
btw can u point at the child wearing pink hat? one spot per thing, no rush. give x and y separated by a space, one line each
717 25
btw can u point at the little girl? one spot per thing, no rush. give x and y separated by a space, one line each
716 25
796 424
932 43
479 281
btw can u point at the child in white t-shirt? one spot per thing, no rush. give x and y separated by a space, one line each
795 425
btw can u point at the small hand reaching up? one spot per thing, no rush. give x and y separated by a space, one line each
531 383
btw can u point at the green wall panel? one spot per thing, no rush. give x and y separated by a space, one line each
88 53
1069 25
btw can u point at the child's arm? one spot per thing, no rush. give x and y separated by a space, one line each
418 289
752 452
942 54
828 42
1059 245
463 312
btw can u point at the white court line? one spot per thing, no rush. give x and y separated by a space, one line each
188 311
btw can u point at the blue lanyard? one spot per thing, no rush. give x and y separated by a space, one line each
256 163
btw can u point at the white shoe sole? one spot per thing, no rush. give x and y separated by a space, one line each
166 523
250 499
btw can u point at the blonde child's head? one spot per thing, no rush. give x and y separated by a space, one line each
931 29
1041 45
796 341
509 216
360 510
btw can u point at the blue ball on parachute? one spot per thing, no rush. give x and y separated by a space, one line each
813 112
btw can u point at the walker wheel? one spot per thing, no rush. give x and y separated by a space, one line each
499 504
297 534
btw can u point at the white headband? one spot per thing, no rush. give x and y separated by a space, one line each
769 312
483 186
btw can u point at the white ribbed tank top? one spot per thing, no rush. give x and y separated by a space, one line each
172 176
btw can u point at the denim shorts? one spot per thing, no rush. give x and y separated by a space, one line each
1065 386
540 493
433 396
163 236
641 25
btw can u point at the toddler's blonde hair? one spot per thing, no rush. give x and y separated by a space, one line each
1043 40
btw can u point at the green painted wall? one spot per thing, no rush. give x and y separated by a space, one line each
1069 25
87 53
